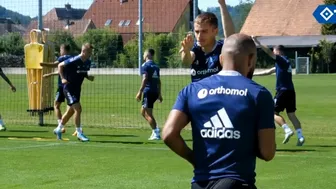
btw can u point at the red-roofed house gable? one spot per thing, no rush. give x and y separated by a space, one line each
79 27
65 13
282 18
159 16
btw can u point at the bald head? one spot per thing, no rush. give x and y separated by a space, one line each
239 54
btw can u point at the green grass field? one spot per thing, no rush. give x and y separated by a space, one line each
120 157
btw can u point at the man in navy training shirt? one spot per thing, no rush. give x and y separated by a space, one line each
3 75
151 89
285 97
231 119
72 72
60 98
203 55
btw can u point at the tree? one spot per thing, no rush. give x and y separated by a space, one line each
161 43
12 43
327 52
107 45
129 57
63 37
329 29
238 14
243 9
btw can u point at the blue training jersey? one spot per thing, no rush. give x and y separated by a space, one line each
226 111
60 60
283 71
76 70
204 64
153 73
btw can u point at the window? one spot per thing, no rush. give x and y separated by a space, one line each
127 23
138 22
121 23
108 22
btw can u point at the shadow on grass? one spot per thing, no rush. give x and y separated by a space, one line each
125 142
322 146
108 135
26 131
295 150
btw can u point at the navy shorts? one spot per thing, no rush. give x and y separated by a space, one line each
224 183
60 95
285 99
72 94
149 99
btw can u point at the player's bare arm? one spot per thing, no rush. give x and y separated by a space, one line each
50 65
3 75
264 48
186 54
266 72
61 72
142 87
159 89
89 77
50 74
228 26
266 144
171 135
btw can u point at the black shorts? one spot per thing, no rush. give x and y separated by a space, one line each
60 95
224 183
149 99
285 99
72 94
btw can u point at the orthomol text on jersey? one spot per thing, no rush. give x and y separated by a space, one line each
193 72
221 91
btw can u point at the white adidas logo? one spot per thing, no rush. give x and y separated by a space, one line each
155 75
220 127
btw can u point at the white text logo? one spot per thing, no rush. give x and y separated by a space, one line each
221 90
193 72
220 127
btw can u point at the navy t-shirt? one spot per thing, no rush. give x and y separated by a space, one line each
153 72
283 71
75 70
226 112
204 64
60 60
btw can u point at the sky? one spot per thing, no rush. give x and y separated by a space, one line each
30 7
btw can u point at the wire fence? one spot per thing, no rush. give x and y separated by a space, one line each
112 27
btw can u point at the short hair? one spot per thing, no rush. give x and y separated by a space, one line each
280 48
87 45
207 17
66 47
151 52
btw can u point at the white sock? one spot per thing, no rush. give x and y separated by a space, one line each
59 121
79 130
157 130
299 133
286 128
60 126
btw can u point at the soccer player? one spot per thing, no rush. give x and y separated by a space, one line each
72 72
64 52
231 118
3 75
151 90
203 55
285 97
